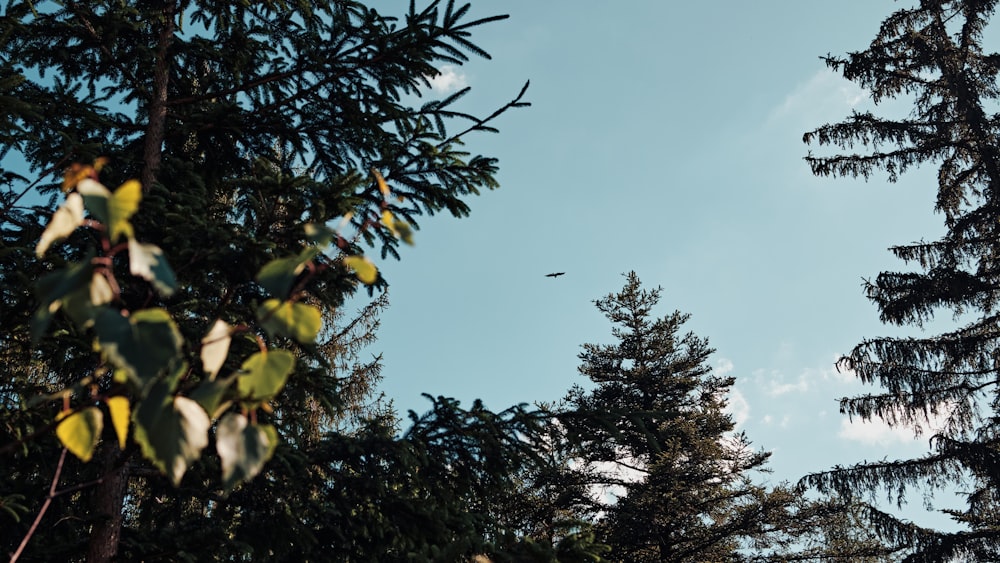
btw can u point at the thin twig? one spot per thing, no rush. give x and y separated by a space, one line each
45 506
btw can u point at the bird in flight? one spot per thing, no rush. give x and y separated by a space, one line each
554 274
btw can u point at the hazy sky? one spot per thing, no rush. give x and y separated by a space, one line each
665 138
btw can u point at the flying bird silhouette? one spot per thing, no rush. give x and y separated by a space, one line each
554 274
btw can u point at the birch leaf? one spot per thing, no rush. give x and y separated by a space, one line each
215 347
79 432
64 221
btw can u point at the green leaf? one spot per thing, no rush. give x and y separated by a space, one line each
215 348
80 431
95 197
297 321
405 232
147 262
53 288
211 395
363 268
171 431
80 307
277 276
243 448
120 411
143 345
264 374
64 221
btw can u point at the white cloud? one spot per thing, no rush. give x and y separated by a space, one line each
825 95
877 432
874 432
723 366
776 385
737 406
612 471
769 420
776 389
448 80
840 373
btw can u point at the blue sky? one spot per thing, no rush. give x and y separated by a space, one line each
664 138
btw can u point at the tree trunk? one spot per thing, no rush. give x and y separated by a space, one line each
108 504
153 148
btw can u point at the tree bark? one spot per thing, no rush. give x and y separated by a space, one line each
108 504
153 146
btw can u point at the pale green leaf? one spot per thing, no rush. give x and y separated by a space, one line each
263 374
215 347
320 234
80 431
64 221
277 276
120 411
100 290
171 431
404 232
243 448
297 321
363 268
88 187
147 262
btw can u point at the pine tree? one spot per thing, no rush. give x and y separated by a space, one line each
243 122
932 55
656 445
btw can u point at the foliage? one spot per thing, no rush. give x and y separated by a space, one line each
195 308
933 56
668 478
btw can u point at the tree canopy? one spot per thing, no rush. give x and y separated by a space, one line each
933 56
188 191
258 149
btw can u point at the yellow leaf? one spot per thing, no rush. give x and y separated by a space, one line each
74 174
124 203
120 414
399 229
79 432
382 186
389 221
363 268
